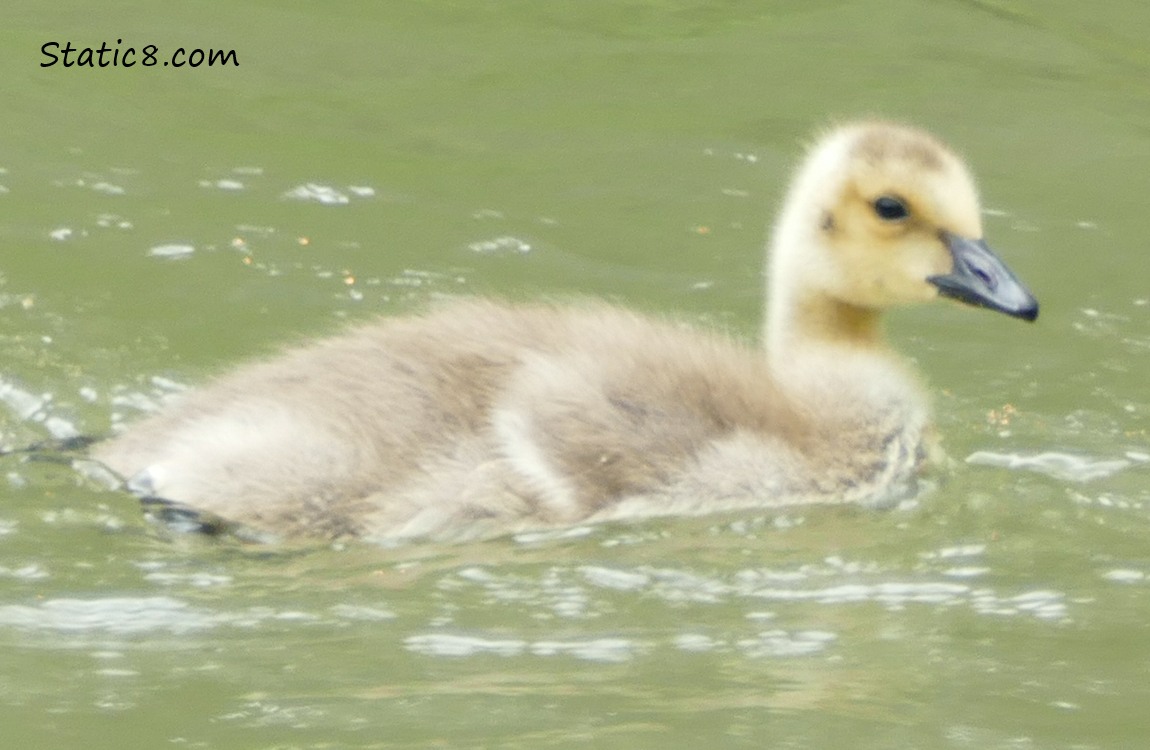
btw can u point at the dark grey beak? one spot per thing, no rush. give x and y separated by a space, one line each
981 278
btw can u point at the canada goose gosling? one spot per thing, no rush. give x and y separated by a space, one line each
482 417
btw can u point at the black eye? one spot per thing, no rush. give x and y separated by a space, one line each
890 208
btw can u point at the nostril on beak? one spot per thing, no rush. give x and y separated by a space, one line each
979 272
984 277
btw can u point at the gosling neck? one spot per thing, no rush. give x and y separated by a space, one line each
797 322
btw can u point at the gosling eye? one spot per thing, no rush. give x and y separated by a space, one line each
890 208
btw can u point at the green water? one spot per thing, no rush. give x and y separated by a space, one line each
631 150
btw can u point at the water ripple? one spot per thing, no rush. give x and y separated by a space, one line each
118 616
1057 465
587 591
606 650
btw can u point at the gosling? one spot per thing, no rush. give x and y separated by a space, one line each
482 417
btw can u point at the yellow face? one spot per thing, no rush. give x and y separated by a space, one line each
882 215
885 230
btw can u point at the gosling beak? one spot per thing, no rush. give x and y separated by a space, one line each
981 278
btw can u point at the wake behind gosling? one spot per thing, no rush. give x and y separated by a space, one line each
482 417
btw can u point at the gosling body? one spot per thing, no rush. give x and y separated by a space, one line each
482 417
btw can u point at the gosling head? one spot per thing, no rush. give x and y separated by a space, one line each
882 215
